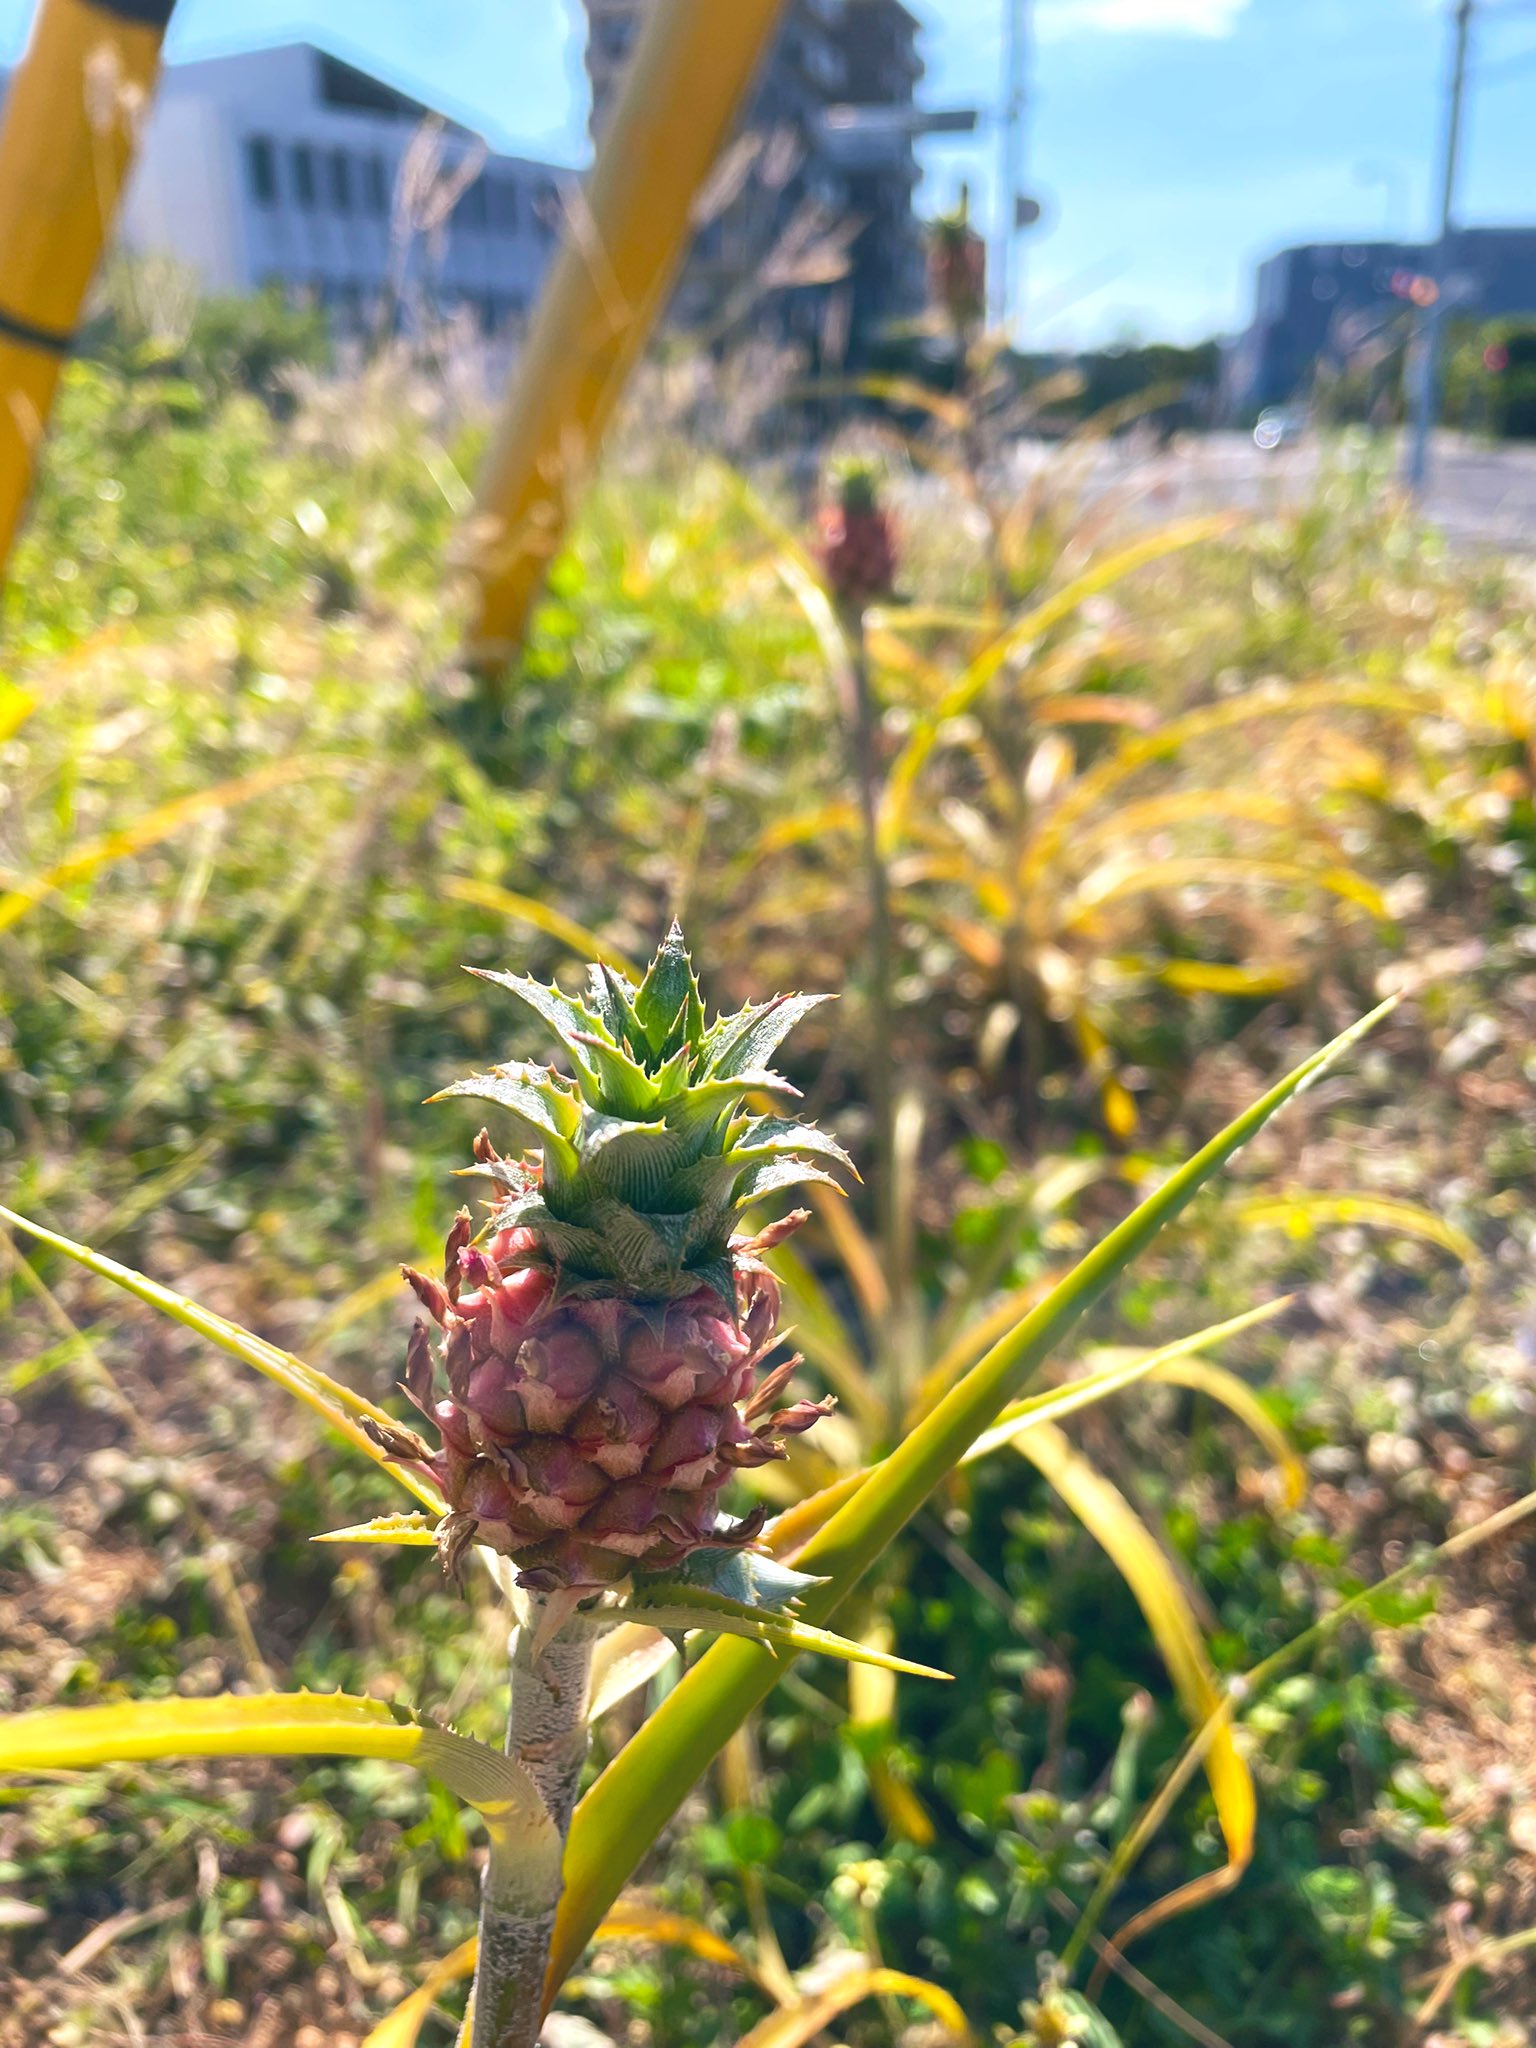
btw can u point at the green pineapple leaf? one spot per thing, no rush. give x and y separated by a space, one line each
745 1577
759 1181
676 1605
567 1019
772 1137
734 1044
612 998
539 1099
632 1162
704 1103
668 1006
623 1086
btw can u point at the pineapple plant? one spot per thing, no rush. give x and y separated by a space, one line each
957 268
602 1340
857 541
611 1319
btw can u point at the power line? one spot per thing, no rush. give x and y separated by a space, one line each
1426 383
1011 148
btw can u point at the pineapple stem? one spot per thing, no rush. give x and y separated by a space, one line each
880 1077
547 1733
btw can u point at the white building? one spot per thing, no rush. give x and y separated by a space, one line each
283 167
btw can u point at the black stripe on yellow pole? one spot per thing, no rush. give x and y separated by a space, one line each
689 71
73 115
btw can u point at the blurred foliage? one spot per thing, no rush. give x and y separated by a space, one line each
222 1014
1490 380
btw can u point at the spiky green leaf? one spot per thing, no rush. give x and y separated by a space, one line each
777 1174
623 1086
567 1019
774 1137
746 1577
734 1044
690 1607
541 1102
668 1005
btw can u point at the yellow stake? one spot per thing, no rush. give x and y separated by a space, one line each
622 249
73 116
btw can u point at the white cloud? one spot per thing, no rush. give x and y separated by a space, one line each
1059 18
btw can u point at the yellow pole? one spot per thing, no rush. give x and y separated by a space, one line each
671 113
73 114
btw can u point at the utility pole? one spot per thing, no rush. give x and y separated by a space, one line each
1011 151
1426 379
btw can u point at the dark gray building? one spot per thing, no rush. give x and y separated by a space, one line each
1320 304
810 232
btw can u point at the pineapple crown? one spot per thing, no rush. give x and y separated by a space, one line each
646 1150
953 231
856 485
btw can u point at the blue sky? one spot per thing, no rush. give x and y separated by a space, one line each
1172 142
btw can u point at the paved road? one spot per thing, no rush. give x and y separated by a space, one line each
1480 497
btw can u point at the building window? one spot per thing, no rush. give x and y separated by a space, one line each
261 170
339 177
375 187
502 198
301 161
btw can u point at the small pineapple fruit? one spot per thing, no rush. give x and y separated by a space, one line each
602 1345
858 545
957 268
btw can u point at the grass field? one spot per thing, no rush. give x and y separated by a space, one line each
1164 808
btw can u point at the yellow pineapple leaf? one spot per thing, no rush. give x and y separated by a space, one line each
1302 1214
631 1920
872 1704
1028 626
626 1658
793 2026
1059 831
1092 708
1204 1376
16 707
420 1529
822 1334
898 1805
806 828
1248 1687
402 2027
1123 1370
159 824
529 910
525 1844
1223 978
977 1339
1126 876
855 1253
1115 1099
1197 806
334 1403
788 1533
1114 1524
